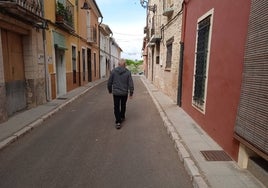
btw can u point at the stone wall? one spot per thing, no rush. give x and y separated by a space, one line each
34 68
167 79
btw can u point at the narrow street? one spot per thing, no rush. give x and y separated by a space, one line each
80 147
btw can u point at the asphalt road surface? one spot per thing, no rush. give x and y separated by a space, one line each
80 147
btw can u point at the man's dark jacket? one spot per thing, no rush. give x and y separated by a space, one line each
120 82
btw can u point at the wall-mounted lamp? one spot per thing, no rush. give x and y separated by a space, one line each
42 24
144 4
85 6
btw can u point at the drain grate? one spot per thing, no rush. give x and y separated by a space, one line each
62 98
216 155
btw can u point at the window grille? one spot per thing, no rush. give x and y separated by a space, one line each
74 63
201 61
169 52
169 55
84 64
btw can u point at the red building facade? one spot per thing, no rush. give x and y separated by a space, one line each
214 36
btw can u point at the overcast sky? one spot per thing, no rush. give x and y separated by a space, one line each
126 19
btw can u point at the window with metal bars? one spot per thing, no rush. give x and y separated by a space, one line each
169 52
201 61
74 63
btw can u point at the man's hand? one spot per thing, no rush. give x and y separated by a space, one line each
130 96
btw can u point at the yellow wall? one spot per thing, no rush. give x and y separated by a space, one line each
77 38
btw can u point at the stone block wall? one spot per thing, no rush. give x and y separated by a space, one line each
34 68
167 79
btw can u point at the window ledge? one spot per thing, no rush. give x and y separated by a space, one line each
199 107
168 69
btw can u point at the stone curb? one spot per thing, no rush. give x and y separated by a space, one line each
4 143
7 141
189 164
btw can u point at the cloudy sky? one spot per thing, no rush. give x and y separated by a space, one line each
126 19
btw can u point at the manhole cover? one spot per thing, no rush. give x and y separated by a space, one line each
216 155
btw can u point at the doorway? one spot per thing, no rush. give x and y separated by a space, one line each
12 46
60 72
89 68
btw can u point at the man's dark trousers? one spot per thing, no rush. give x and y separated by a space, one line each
120 107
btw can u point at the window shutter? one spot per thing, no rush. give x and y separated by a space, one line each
252 117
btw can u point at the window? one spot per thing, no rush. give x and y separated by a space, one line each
74 63
169 53
84 63
157 48
201 62
95 65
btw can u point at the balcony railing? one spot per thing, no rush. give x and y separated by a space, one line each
91 34
65 15
168 9
26 10
33 6
155 31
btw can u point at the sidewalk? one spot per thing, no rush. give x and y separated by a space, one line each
188 138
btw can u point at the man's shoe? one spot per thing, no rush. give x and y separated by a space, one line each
118 126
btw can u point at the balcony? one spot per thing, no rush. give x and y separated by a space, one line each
29 11
168 11
91 34
155 35
64 15
155 31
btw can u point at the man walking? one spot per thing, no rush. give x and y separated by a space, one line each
120 84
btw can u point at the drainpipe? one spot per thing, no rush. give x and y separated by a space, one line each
44 27
179 95
45 65
99 47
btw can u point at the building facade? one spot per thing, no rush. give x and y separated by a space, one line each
72 45
22 64
115 53
105 50
224 83
163 36
217 70
48 48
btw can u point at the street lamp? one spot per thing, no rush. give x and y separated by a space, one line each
144 4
